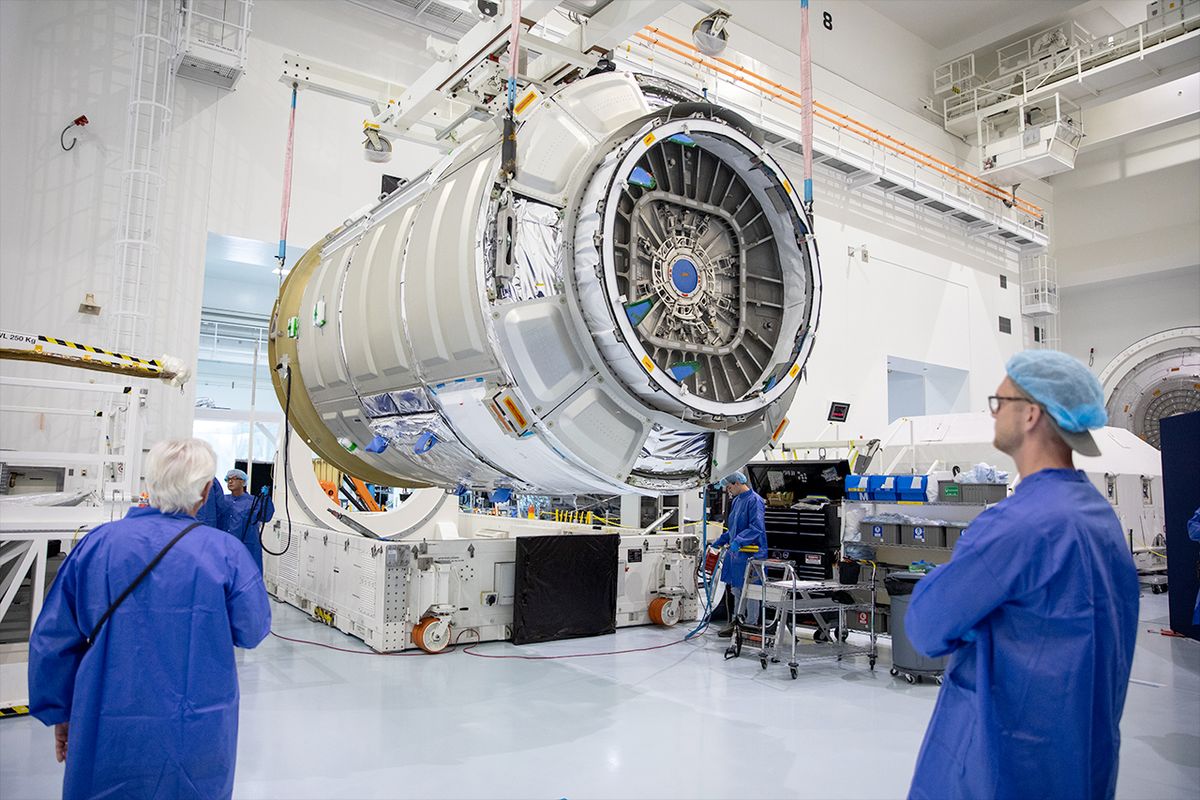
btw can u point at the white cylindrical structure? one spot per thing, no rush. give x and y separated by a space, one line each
631 313
1156 377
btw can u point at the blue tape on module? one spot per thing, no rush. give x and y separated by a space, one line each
425 443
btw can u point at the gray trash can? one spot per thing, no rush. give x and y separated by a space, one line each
906 660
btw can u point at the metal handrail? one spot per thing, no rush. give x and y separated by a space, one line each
777 91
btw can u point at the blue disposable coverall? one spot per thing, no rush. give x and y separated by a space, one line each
235 518
210 512
744 527
1038 607
153 704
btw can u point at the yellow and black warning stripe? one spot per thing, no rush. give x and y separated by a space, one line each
14 711
145 362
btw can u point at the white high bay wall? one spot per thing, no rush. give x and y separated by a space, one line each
927 293
1127 238
62 58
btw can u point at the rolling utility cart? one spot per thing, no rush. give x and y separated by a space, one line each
785 599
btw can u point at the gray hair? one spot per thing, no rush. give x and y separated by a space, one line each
177 470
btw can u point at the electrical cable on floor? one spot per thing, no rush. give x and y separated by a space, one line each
354 652
468 650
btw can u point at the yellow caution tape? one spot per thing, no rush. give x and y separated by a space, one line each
87 348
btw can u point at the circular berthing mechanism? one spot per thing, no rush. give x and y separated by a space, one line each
697 263
1155 378
631 312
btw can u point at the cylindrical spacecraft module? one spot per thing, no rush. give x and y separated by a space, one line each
630 312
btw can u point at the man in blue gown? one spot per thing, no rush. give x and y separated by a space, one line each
242 515
1038 608
150 709
746 535
210 512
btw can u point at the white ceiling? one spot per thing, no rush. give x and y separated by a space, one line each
945 23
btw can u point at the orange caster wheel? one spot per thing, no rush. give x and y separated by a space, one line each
432 634
664 611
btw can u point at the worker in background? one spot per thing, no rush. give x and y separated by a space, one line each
142 691
1037 608
243 515
746 535
210 512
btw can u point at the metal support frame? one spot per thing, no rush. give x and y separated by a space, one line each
424 113
410 116
848 154
1066 70
127 462
32 549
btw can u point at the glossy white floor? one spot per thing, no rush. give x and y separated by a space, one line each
673 722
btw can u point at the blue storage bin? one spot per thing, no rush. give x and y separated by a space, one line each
856 487
883 487
911 488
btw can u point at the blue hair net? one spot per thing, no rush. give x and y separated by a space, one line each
1062 385
735 477
237 473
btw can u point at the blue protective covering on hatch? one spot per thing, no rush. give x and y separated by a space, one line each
637 311
640 177
684 276
683 370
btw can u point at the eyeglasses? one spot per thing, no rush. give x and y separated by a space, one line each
996 400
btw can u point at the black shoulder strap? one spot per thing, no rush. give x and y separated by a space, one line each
91 639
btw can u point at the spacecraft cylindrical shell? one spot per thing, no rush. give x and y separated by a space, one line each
631 313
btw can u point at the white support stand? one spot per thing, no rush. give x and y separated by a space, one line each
117 466
25 535
425 574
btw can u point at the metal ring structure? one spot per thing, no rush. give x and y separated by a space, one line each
1156 377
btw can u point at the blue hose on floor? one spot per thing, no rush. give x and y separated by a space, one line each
708 586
